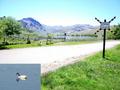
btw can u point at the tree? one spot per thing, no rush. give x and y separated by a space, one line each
9 26
28 40
49 39
116 32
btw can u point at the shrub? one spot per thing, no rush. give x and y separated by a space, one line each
28 42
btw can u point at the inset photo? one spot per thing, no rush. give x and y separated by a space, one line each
20 76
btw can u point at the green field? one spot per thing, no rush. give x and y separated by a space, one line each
93 73
77 43
37 44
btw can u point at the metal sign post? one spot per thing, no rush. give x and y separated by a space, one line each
104 26
65 34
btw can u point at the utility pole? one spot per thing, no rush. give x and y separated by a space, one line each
104 26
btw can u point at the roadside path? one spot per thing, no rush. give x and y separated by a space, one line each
51 57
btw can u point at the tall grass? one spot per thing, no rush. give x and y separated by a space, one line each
93 73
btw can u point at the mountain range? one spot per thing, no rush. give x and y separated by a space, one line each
34 25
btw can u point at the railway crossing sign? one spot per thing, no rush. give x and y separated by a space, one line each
104 26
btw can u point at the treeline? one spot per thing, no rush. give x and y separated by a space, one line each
115 32
8 28
12 32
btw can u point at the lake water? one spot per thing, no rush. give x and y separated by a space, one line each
8 77
75 37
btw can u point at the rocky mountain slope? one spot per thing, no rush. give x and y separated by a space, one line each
34 25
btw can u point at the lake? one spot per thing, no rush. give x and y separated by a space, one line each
8 77
75 37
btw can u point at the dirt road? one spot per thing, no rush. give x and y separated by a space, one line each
51 57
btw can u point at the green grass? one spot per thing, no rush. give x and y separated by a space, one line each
94 73
75 42
37 44
21 46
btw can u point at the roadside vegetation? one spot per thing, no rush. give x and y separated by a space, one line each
93 73
114 33
77 42
43 43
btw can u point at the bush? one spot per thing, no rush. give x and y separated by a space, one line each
28 42
116 32
40 43
49 42
5 43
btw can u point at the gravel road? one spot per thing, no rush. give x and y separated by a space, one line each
51 57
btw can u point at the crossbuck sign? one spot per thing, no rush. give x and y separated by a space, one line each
104 26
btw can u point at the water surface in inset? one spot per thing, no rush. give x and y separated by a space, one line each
8 77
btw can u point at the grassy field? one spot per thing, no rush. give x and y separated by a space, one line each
93 73
76 43
37 44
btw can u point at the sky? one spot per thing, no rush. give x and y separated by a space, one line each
62 12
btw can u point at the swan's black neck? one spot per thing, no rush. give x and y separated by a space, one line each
18 74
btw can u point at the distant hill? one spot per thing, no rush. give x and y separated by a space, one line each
31 24
36 26
69 29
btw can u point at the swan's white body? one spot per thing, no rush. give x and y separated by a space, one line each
21 77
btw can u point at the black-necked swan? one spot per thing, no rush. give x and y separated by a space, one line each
21 77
